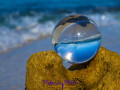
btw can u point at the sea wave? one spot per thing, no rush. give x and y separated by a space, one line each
16 29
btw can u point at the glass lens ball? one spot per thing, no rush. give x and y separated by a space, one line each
76 39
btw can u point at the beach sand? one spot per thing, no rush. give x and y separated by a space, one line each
13 63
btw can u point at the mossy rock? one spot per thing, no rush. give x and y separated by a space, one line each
101 73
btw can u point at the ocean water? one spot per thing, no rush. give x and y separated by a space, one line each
78 52
23 21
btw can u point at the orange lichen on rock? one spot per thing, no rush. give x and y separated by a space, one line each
101 73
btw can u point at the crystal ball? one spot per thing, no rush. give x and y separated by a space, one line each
76 39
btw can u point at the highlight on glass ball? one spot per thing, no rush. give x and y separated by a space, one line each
76 39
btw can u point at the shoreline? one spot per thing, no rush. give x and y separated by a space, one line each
24 44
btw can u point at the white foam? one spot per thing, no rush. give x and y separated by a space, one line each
105 19
25 28
19 30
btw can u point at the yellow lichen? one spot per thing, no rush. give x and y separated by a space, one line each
101 73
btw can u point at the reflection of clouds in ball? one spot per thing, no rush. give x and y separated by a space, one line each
68 56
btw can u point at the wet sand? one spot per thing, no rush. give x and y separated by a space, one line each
13 63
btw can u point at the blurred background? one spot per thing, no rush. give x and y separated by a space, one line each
26 27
